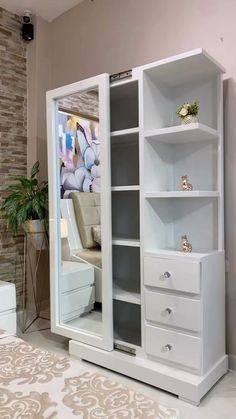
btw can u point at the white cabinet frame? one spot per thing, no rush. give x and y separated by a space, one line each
100 82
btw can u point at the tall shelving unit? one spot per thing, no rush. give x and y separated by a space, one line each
171 150
183 293
168 306
125 177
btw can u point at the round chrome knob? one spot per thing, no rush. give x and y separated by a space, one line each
167 275
168 310
167 348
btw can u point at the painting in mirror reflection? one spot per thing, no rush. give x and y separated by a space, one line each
80 281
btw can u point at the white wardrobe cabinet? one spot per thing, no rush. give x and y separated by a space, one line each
162 316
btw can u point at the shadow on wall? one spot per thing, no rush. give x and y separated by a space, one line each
230 207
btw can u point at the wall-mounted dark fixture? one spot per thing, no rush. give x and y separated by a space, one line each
27 27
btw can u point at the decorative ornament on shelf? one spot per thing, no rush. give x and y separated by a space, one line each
186 186
185 245
188 112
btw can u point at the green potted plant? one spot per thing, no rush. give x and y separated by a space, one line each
26 206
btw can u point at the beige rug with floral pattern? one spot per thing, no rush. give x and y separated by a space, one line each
36 384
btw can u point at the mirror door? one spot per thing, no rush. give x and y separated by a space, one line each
80 215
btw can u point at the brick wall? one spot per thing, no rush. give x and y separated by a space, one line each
85 104
13 134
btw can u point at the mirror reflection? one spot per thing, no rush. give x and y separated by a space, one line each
80 203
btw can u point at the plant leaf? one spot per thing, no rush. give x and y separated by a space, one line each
35 169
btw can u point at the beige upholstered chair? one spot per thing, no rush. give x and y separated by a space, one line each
88 217
73 248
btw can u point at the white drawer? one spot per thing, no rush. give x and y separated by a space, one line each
75 275
76 300
7 296
174 347
172 274
173 311
8 321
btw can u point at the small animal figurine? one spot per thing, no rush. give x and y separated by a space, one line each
185 245
186 186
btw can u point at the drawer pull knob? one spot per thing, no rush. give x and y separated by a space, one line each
167 275
168 310
167 348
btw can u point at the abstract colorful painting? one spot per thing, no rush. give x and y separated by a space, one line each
79 146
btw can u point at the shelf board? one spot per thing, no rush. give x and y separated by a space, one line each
182 194
180 134
122 295
119 241
127 336
184 68
122 132
125 188
168 253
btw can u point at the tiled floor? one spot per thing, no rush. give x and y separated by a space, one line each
220 402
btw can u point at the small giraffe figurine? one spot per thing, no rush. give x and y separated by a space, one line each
186 186
185 245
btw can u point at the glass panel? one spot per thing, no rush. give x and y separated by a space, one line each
79 161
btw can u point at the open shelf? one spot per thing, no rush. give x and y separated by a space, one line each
124 105
126 273
182 194
122 295
165 163
166 88
125 133
125 214
166 220
188 67
125 188
125 159
127 322
183 134
120 241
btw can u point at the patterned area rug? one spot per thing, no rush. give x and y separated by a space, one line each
36 384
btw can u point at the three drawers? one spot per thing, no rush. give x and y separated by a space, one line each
173 310
176 275
174 347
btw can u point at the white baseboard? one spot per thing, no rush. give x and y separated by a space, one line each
232 362
188 386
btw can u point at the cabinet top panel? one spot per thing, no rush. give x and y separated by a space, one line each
183 68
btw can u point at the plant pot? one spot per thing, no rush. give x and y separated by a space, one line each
189 119
35 230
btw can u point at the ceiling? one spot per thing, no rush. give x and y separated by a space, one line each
47 9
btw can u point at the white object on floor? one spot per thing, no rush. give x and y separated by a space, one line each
8 307
77 289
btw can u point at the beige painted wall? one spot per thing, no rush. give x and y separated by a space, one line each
39 81
112 35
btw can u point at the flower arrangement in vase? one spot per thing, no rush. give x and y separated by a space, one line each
188 112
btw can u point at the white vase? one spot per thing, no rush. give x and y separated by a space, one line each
189 119
35 229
